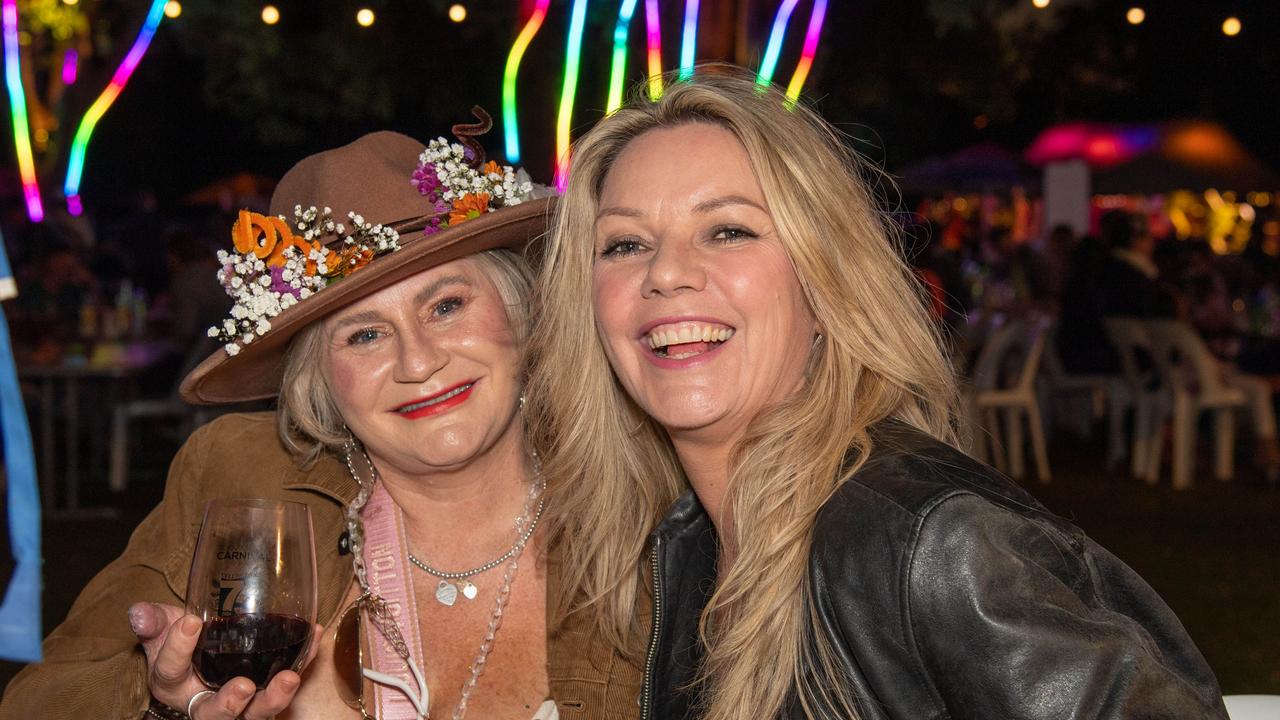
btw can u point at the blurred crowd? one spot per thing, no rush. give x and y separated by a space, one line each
1121 270
139 276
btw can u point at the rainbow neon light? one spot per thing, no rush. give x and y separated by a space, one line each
564 119
75 162
653 38
70 66
510 126
770 62
810 49
18 111
618 71
689 42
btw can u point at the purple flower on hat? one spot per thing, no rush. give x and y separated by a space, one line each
280 285
426 180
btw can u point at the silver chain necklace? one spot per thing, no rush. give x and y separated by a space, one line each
504 592
447 592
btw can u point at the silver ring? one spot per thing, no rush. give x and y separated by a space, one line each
191 704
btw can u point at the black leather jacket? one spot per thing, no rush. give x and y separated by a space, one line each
949 592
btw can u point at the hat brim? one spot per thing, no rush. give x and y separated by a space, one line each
256 371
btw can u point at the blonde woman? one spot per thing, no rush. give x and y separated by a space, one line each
727 349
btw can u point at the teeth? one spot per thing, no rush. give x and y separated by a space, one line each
660 338
435 401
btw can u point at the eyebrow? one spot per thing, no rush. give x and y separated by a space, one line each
705 206
422 297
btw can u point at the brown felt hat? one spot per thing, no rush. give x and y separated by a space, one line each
370 177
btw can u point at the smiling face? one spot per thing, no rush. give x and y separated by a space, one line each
696 301
425 371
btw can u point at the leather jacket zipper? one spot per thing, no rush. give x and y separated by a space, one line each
646 691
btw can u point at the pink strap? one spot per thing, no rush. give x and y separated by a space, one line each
386 559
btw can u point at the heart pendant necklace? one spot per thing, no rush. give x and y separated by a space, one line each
448 590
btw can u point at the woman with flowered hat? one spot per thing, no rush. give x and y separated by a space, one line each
383 303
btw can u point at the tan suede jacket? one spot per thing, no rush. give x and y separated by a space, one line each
94 667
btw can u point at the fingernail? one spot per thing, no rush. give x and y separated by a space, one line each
288 683
138 620
191 625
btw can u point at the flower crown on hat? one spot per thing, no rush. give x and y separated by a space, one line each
275 266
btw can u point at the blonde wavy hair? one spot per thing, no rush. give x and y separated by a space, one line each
307 418
612 470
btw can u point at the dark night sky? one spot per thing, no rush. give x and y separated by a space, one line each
877 75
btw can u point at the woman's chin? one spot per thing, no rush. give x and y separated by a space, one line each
684 419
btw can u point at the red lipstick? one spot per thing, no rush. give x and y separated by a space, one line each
441 402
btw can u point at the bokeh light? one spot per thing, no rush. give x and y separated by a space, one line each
457 12
270 14
1041 4
1231 26
1136 15
172 9
365 17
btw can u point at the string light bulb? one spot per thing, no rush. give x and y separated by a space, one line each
457 12
1136 15
172 9
365 17
1231 26
270 14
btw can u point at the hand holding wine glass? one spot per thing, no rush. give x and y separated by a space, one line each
251 604
172 679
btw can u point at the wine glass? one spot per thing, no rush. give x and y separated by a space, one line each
253 584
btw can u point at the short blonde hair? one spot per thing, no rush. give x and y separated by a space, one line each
611 470
308 419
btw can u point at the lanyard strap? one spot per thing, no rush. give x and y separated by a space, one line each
386 559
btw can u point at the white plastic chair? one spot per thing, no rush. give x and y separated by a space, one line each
1024 340
1253 707
188 417
1150 401
1105 393
1195 379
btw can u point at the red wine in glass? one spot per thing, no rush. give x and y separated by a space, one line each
253 646
253 584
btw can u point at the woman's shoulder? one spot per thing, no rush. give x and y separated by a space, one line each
245 428
235 449
914 490
909 474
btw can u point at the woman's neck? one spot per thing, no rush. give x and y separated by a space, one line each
460 516
706 464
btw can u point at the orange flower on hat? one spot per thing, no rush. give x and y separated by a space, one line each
254 234
471 205
350 259
266 237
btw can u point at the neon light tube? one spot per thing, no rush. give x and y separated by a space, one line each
618 71
564 118
70 66
689 43
75 162
770 62
18 111
810 49
510 127
653 35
